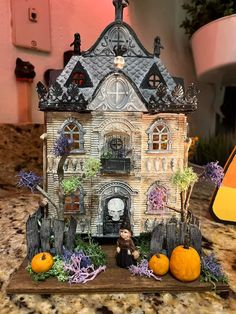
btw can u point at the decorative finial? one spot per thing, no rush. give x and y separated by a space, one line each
76 43
157 46
119 51
119 7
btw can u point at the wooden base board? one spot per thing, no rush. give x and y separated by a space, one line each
114 279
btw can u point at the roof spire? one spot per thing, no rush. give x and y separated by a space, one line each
119 7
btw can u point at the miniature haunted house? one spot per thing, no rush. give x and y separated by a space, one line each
115 163
120 105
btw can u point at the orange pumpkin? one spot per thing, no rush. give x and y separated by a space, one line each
185 263
159 264
42 262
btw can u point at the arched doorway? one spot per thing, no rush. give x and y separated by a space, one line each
115 204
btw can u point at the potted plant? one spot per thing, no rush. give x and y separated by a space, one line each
211 25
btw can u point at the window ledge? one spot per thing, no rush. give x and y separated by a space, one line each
159 151
75 151
156 214
71 212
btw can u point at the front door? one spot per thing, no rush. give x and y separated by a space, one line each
115 208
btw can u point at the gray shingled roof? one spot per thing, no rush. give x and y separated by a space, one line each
98 62
97 68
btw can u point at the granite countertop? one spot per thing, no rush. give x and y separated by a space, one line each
20 147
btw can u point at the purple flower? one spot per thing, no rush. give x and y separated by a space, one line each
211 268
157 198
213 172
142 270
79 273
28 179
85 261
62 146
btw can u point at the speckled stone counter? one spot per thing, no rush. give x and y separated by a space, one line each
20 147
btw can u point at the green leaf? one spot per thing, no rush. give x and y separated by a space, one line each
91 167
184 178
70 185
91 249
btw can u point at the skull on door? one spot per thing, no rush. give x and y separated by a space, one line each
116 208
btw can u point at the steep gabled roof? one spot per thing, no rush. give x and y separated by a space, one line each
98 62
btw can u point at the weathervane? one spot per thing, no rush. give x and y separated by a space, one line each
119 6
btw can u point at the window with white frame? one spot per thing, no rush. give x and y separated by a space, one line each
74 203
75 132
159 137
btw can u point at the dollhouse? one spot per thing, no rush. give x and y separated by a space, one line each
120 105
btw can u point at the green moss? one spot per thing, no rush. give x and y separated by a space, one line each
91 249
57 271
91 167
143 245
70 185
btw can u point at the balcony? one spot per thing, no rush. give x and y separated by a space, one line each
115 166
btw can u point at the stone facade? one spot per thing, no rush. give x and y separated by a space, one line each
147 168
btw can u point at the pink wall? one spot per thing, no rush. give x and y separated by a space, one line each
67 17
89 17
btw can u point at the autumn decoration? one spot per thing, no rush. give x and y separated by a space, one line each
42 262
185 263
159 264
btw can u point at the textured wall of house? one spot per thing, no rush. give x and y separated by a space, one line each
96 125
146 168
159 167
54 122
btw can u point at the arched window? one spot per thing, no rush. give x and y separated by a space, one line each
74 203
156 199
74 131
159 137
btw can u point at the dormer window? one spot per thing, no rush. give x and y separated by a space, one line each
159 137
154 80
78 78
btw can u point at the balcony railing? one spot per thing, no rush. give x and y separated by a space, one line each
115 165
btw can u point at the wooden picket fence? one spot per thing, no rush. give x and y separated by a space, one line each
166 236
39 231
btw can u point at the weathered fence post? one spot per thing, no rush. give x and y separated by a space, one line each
38 214
70 237
157 240
170 238
58 230
183 228
32 237
45 232
195 238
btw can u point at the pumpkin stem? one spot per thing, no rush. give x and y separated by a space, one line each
158 255
43 256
